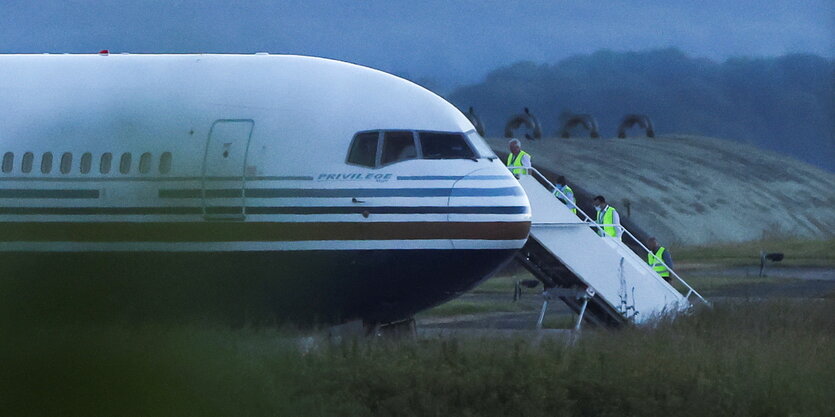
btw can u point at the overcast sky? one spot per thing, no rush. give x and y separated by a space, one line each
446 40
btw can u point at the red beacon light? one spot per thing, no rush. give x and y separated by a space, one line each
104 52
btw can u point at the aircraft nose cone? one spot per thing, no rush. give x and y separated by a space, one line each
493 206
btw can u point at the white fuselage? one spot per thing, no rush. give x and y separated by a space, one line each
154 155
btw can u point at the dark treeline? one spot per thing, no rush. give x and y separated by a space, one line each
785 104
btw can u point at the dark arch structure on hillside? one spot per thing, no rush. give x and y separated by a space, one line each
641 120
528 120
586 120
475 120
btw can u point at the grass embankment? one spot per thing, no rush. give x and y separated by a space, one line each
798 252
716 284
744 359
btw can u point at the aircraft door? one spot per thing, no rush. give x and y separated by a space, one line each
223 169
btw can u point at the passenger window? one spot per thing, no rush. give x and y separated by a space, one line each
26 164
124 163
145 163
445 146
46 163
165 163
8 162
104 164
364 149
398 146
86 162
66 163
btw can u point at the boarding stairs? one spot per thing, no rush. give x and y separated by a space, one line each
599 277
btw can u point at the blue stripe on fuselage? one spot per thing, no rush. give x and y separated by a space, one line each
346 192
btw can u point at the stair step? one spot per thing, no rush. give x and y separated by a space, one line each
562 251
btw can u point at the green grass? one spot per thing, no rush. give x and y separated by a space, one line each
145 370
497 285
742 359
798 252
112 358
561 321
716 283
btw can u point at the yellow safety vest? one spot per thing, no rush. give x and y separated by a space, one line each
567 191
656 262
607 216
516 163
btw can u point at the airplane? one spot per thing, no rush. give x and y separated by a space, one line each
328 191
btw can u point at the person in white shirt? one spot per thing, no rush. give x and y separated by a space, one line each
518 158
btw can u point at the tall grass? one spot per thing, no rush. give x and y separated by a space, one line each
745 359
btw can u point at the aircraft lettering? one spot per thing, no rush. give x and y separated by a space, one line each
378 177
374 176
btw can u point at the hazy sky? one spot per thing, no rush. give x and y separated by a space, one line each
449 41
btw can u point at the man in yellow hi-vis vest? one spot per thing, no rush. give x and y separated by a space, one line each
609 217
565 194
518 158
658 254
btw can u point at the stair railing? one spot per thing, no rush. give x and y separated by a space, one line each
593 223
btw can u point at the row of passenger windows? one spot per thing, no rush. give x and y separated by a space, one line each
379 148
85 163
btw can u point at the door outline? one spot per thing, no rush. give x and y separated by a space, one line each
226 216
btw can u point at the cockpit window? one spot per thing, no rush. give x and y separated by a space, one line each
445 146
364 149
480 145
398 146
381 148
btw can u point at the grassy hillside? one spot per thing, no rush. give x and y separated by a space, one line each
695 190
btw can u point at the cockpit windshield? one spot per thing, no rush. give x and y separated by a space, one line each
378 148
437 145
480 145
